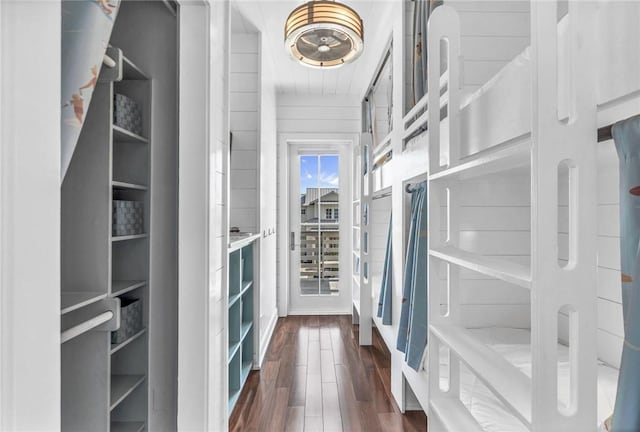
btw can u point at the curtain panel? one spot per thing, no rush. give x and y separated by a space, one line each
626 416
386 288
412 332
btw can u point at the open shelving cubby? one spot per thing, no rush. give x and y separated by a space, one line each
241 319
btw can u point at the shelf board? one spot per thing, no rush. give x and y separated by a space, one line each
121 287
122 386
234 299
132 72
453 415
129 426
117 347
507 382
128 186
241 241
494 267
233 350
245 329
131 237
122 135
246 286
75 300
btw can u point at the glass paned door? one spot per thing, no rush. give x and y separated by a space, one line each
319 200
319 225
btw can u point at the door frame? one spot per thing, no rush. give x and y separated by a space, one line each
285 141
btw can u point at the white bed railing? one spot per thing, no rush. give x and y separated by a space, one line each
550 144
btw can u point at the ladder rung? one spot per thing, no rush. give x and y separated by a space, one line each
495 267
512 154
508 383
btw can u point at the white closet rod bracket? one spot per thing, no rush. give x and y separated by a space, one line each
113 60
109 320
108 61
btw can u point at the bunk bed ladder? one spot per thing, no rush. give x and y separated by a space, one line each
446 411
572 142
365 302
572 288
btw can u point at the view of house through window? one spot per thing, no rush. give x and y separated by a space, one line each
319 224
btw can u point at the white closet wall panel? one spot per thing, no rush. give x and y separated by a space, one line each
203 403
30 35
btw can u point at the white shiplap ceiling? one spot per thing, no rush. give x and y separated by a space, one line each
268 18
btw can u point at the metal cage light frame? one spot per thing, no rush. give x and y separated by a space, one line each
342 20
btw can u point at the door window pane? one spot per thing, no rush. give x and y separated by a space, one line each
320 231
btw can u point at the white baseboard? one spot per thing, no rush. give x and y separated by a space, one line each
318 312
264 346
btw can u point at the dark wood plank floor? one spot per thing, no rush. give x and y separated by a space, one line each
316 377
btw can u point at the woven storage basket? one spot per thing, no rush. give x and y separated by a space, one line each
130 320
128 218
127 114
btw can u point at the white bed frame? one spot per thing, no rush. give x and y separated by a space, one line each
546 144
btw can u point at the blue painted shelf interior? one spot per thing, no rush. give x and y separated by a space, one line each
241 325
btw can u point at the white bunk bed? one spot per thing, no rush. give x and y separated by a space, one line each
506 378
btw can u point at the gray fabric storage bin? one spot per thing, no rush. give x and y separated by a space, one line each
130 320
127 114
128 218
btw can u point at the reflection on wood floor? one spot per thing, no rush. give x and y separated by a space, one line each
315 377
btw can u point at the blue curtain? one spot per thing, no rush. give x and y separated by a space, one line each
386 288
626 415
412 332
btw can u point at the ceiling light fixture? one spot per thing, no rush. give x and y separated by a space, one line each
324 34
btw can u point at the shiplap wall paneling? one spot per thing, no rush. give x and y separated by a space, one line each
493 33
494 220
307 116
244 123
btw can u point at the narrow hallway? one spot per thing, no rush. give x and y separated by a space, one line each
315 377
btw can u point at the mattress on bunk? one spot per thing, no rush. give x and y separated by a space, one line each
501 109
514 346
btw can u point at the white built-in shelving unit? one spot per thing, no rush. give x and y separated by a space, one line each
241 328
105 386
